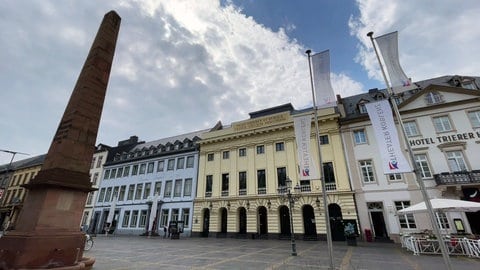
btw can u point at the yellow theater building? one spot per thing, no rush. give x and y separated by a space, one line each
241 167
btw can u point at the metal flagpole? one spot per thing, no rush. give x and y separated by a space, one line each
327 217
428 204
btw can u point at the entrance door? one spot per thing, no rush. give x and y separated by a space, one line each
378 222
336 224
309 223
223 225
206 222
284 221
262 219
242 220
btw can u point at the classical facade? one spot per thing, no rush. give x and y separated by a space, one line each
141 174
242 165
96 168
12 203
442 123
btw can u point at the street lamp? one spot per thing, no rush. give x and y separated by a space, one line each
286 194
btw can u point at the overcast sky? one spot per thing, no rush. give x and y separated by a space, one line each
181 66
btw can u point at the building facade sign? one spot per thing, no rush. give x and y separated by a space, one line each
446 138
261 122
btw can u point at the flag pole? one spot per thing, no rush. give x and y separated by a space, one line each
324 197
436 229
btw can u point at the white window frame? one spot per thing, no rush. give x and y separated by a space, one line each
456 161
406 221
442 124
411 128
423 164
474 118
361 138
367 171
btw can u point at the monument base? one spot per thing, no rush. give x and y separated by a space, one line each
20 250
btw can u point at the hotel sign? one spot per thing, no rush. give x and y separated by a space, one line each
445 138
261 122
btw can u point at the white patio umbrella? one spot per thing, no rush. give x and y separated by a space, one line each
444 205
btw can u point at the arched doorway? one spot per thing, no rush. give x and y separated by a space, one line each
284 222
223 222
206 222
309 223
262 221
242 220
336 226
375 209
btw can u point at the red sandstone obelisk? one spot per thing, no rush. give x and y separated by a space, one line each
47 233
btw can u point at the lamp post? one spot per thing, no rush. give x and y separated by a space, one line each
287 195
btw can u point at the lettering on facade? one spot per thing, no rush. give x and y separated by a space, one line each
261 122
445 138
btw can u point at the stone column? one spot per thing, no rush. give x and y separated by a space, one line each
47 234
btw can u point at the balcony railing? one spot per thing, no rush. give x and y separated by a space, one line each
224 193
242 192
305 188
458 178
330 186
262 190
208 194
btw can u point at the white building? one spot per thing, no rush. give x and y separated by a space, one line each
442 122
163 172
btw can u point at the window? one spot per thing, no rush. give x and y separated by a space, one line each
158 188
113 172
329 172
126 218
150 167
190 161
226 154
210 157
208 186
187 187
367 171
121 195
433 98
133 221
180 163
474 118
395 177
442 124
442 220
142 168
161 164
171 164
411 129
406 220
95 178
135 169
262 184
143 219
108 194
146 190
174 215
93 163
119 172
281 176
115 193
90 198
359 136
126 171
186 217
242 183
242 152
225 180
260 149
164 220
168 189
177 191
324 139
99 161
456 161
422 163
131 190
362 109
280 146
138 192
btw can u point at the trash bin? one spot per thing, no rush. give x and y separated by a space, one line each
368 235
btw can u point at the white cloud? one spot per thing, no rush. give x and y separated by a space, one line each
435 37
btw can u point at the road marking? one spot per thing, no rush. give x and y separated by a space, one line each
346 259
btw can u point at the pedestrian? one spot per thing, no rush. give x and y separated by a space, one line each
164 231
169 230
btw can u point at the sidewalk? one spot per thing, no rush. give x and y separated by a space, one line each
135 252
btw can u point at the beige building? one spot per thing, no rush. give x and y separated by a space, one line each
241 166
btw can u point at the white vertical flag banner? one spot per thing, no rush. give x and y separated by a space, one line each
111 212
153 213
324 95
386 134
388 47
302 126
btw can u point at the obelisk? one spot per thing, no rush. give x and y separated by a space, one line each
47 233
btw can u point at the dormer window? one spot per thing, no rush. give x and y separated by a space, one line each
362 108
433 98
469 85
